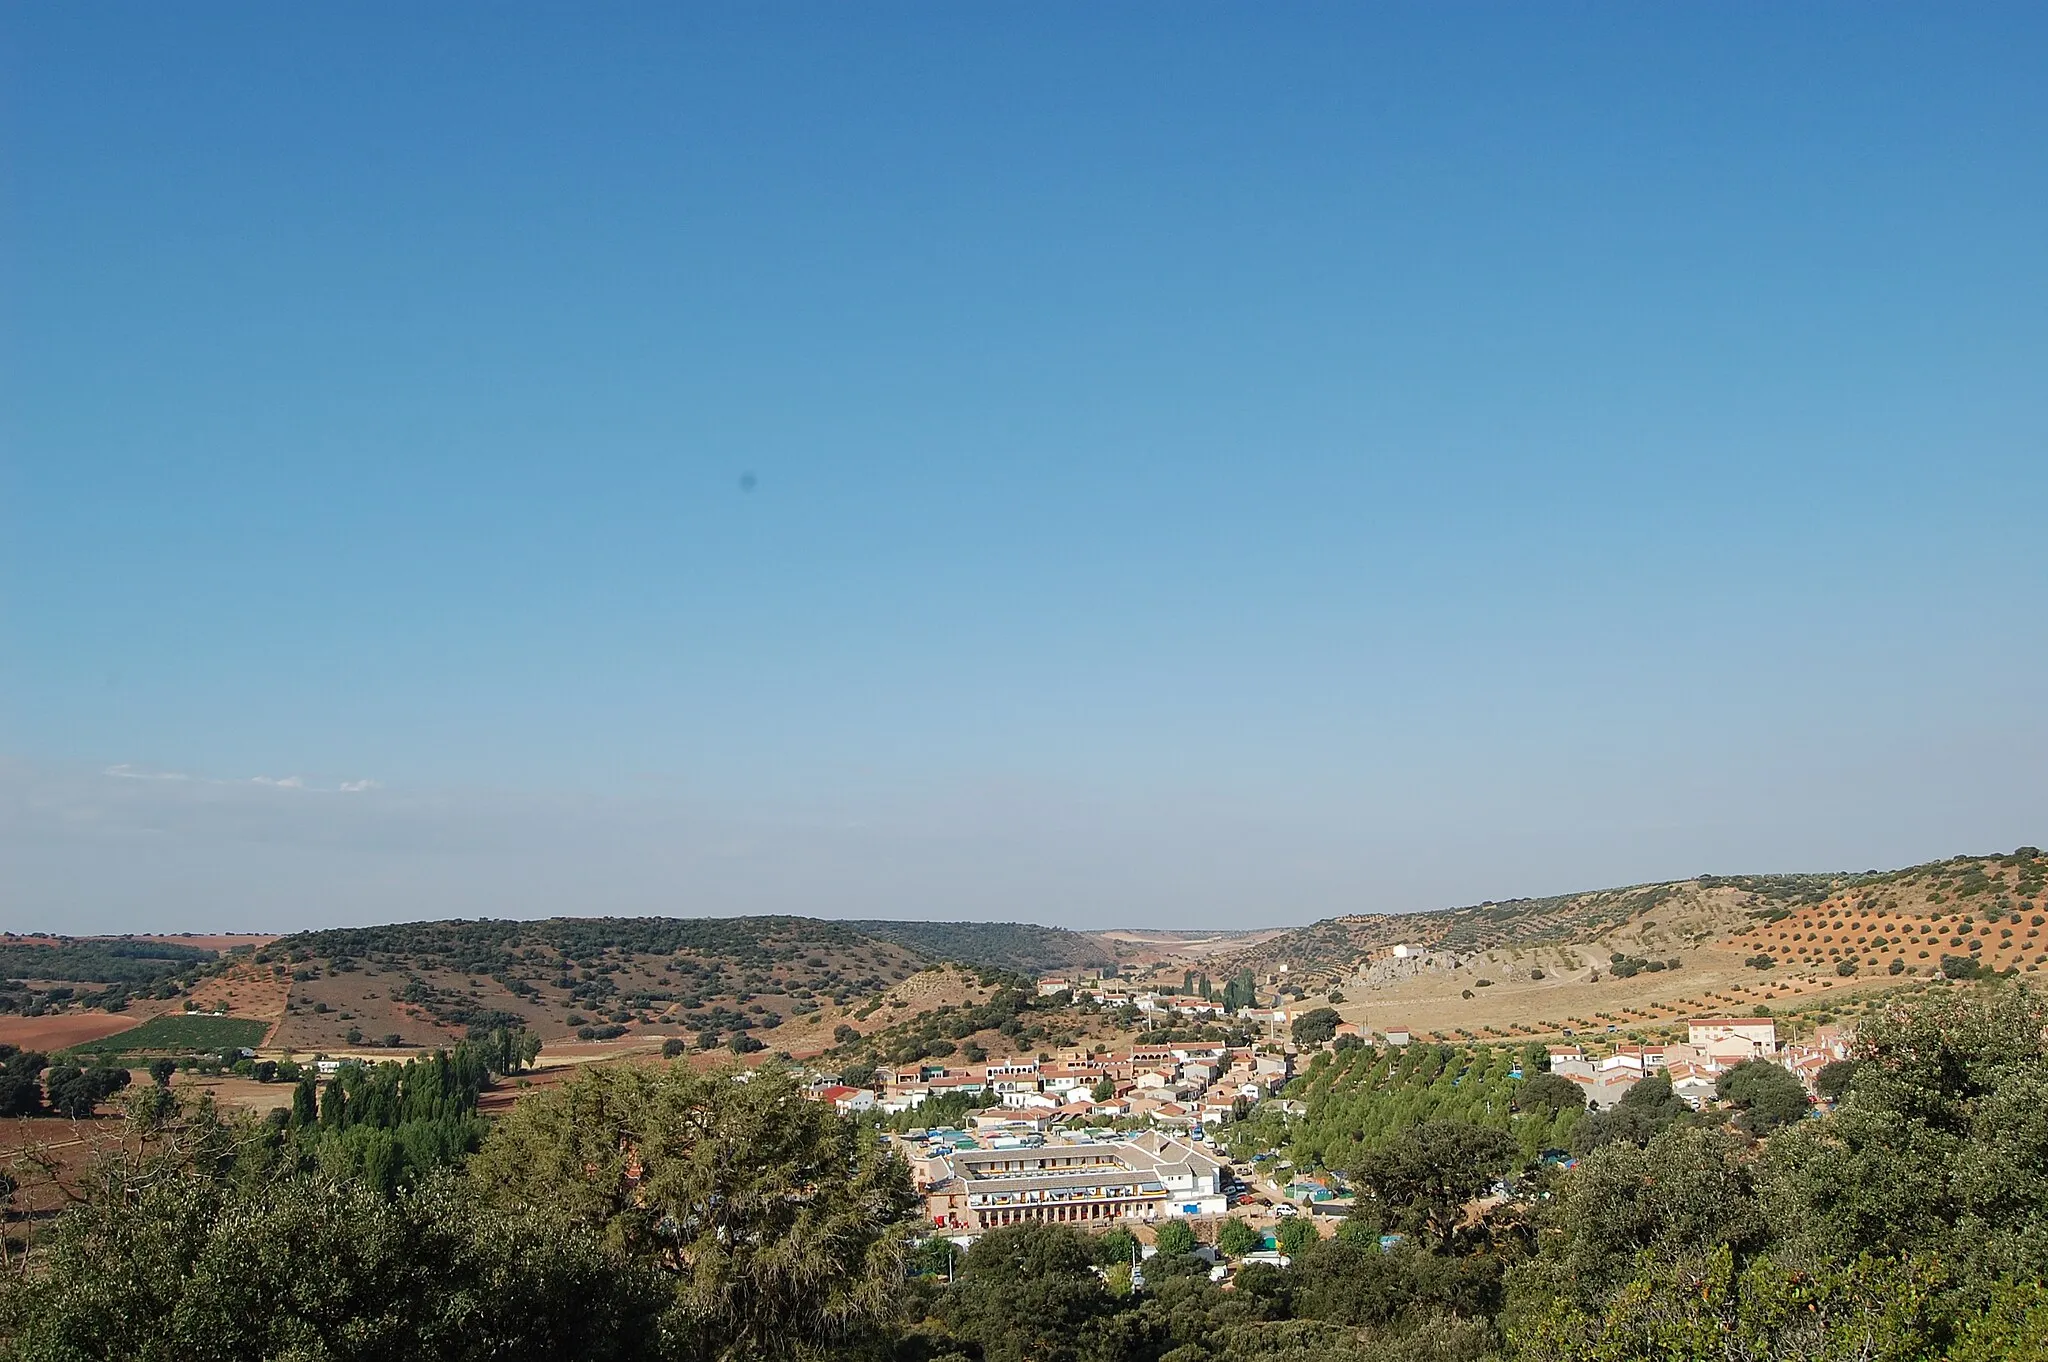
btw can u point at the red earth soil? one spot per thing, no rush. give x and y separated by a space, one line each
58 1030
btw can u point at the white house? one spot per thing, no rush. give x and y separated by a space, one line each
1759 1034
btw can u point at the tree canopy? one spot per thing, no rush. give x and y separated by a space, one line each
1315 1027
780 1225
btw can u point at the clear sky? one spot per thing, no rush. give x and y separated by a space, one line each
1097 464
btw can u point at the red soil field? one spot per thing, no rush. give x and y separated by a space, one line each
58 1030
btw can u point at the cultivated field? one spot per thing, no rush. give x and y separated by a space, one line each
61 1030
180 1034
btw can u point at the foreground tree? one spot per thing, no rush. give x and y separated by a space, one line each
1766 1095
1688 1190
1708 1308
1643 1111
186 1268
1420 1181
780 1226
1029 1293
1940 1146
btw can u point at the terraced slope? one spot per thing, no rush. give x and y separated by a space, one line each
1764 914
1989 910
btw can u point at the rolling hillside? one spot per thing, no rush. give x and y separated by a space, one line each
1020 946
1615 958
1674 914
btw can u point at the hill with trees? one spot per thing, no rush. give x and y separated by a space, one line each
1020 947
1980 905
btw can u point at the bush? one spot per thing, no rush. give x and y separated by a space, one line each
1832 1081
1316 1027
1174 1238
1236 1238
1767 1095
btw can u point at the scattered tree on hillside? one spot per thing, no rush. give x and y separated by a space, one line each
1315 1027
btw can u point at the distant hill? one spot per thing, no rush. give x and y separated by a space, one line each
1019 946
775 982
1692 911
1609 957
598 977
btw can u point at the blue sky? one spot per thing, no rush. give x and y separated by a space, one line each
1087 464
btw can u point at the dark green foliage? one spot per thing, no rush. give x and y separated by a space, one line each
656 1213
75 1092
1550 1094
1315 1027
1766 1095
1834 1080
1029 1292
1420 1181
1644 1112
779 1226
1686 1186
194 1270
102 960
21 1086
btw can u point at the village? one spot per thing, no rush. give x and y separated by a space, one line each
1135 1137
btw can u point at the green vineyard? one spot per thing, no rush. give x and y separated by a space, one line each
178 1034
1355 1100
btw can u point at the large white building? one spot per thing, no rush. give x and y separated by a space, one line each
1719 1035
1146 1177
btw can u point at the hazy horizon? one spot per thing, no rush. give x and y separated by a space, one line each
1067 466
